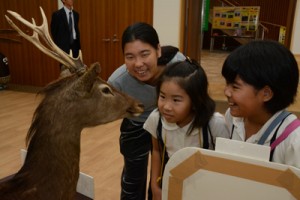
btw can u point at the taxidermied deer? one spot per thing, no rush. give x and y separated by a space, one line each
51 167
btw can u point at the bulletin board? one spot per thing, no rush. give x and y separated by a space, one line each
246 18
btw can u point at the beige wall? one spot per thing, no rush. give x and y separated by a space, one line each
295 42
166 21
60 4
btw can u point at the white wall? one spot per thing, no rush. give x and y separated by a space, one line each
295 41
166 21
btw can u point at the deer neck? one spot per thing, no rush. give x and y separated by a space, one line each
54 153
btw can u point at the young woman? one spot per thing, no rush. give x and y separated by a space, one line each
137 77
185 117
262 80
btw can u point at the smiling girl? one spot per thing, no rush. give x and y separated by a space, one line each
185 117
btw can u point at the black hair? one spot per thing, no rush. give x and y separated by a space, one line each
191 77
265 63
140 31
167 54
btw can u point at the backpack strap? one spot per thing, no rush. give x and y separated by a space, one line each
232 129
161 142
211 137
273 139
287 131
205 131
162 150
205 136
158 132
274 123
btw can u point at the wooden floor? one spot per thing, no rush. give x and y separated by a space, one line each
100 155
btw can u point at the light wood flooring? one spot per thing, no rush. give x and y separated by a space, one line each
100 155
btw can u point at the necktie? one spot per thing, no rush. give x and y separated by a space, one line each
71 27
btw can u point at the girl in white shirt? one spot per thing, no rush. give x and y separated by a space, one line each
185 117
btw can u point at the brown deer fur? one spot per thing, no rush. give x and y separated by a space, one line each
51 167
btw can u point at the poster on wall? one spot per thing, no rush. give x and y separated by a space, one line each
246 18
282 31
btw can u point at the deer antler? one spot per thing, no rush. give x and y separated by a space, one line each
74 64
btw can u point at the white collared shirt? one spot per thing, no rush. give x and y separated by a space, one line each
287 152
67 10
177 137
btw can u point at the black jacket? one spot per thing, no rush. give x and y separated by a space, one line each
60 29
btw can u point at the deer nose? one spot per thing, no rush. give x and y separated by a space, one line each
141 105
136 109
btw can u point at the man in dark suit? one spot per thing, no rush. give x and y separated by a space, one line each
64 28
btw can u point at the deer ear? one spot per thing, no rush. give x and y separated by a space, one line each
87 79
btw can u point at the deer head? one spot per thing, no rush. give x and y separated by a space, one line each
83 84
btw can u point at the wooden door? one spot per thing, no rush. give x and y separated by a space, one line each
102 23
192 32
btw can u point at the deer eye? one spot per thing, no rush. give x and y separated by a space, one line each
105 89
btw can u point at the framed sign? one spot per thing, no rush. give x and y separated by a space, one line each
245 18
